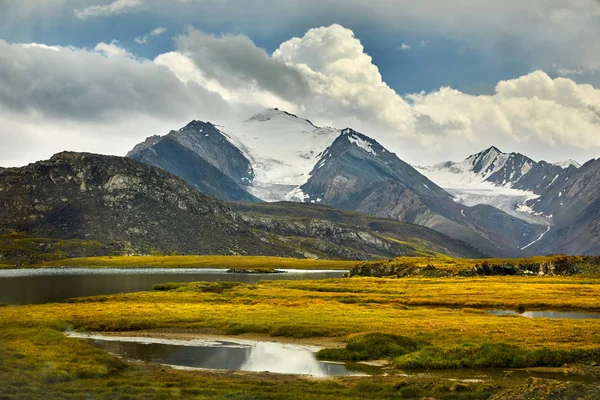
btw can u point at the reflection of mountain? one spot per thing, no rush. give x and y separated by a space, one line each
248 356
230 358
283 359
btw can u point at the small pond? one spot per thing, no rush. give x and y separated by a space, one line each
256 356
226 354
48 285
547 314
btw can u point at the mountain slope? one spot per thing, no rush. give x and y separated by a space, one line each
575 207
357 173
289 216
171 156
506 170
203 156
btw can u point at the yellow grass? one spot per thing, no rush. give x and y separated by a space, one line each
339 307
200 262
37 361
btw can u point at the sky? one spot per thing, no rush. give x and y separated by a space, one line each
432 80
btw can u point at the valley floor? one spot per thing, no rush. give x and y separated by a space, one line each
445 316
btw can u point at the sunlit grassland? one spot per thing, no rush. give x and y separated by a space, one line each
339 307
200 262
37 360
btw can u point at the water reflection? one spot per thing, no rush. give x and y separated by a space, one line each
47 285
547 314
222 355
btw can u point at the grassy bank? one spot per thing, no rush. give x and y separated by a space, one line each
246 262
442 266
378 318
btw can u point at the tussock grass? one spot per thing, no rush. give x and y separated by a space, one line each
492 355
371 346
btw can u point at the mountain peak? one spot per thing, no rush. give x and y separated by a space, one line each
492 149
196 125
276 113
362 141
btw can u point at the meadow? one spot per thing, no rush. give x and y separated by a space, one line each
412 322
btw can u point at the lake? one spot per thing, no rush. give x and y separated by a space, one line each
48 285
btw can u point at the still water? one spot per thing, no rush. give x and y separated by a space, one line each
233 355
547 314
48 285
255 356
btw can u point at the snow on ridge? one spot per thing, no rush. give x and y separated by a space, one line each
282 148
361 143
566 164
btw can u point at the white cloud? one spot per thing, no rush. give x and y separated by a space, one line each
325 75
155 32
405 46
116 7
112 49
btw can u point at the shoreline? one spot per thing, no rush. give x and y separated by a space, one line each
210 334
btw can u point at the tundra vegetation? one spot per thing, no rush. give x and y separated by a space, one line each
413 322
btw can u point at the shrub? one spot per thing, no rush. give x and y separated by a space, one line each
371 346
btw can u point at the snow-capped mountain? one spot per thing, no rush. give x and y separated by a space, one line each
504 180
487 200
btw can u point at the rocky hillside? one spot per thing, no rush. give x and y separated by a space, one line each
114 199
354 231
575 209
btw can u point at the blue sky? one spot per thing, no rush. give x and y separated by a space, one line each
433 80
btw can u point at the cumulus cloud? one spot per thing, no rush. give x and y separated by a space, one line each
101 84
405 47
112 49
325 75
155 32
116 7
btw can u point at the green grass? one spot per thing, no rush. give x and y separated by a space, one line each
372 346
492 355
41 363
419 354
440 265
18 249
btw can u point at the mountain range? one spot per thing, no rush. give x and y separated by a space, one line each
275 156
276 184
114 205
